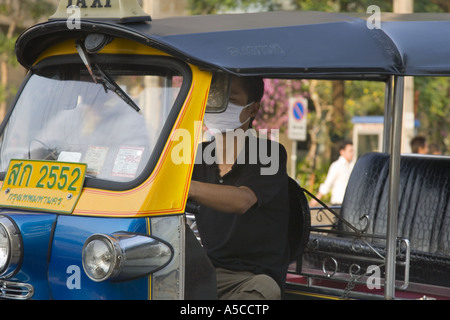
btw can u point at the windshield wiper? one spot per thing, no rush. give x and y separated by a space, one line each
110 84
105 79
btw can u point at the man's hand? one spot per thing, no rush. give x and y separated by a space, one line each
313 202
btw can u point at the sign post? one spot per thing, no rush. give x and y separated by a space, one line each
297 125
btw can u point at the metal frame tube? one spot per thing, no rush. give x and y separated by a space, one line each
394 177
387 115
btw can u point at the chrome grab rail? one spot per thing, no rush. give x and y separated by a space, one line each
359 236
15 290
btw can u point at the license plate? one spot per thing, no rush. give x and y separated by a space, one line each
43 185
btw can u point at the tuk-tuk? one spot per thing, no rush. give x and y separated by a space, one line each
98 148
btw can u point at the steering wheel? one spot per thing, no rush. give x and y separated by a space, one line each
43 153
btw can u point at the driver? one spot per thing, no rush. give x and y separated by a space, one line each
243 217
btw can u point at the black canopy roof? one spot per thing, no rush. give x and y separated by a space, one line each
305 44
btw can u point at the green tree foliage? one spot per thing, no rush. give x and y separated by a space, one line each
432 105
17 12
213 6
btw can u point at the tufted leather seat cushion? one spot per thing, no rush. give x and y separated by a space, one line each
423 218
424 199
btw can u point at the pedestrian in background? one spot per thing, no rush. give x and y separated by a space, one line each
419 145
337 176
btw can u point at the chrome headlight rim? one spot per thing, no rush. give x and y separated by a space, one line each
124 246
15 250
113 248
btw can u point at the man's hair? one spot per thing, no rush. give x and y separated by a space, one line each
417 142
254 86
344 144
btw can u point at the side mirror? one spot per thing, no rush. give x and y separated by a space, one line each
218 93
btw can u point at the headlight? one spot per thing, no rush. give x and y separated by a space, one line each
123 256
4 248
10 247
100 258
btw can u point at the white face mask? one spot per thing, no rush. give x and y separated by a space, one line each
227 120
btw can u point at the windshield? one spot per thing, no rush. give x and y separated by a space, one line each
62 114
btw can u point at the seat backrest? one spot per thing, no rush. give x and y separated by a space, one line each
299 220
424 199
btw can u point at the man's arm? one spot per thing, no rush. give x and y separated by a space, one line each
223 198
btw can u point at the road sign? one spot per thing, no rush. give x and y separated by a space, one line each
298 111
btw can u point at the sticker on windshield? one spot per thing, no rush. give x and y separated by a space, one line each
67 156
127 162
95 158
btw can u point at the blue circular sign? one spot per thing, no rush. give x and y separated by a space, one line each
299 111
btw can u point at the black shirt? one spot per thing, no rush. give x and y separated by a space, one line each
255 241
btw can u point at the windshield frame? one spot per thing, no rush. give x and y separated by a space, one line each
146 61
